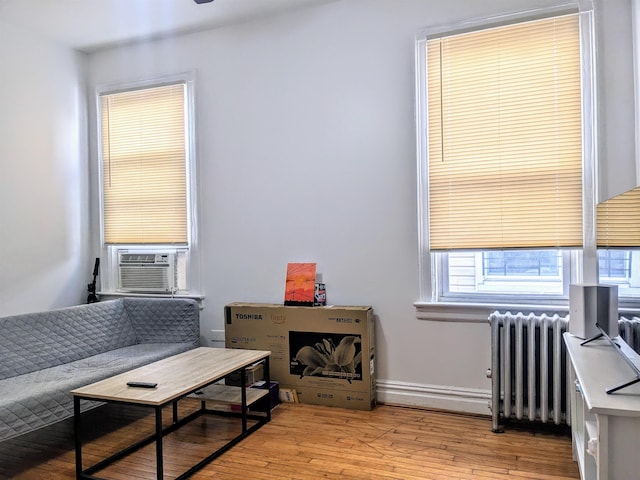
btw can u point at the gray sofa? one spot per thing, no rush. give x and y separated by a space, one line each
45 355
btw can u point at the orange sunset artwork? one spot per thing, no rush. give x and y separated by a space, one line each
301 280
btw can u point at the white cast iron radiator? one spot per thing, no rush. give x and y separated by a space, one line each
630 332
529 370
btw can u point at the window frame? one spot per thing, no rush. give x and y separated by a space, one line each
570 272
190 253
582 265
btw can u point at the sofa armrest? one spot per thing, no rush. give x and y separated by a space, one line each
164 320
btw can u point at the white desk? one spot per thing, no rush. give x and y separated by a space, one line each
605 427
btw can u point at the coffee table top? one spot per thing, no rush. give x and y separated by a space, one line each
176 376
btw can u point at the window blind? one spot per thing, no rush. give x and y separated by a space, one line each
505 137
144 166
618 221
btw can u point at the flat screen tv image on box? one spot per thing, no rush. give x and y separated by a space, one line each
328 355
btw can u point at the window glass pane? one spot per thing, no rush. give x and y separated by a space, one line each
614 264
517 272
534 263
622 268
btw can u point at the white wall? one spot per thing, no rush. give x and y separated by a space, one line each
307 153
43 177
618 170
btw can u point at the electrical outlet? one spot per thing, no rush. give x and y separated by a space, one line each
217 335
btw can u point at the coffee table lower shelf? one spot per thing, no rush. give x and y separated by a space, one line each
222 397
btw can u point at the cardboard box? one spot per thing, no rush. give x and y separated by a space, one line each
254 374
274 393
325 353
288 395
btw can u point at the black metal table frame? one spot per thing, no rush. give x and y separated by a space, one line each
160 432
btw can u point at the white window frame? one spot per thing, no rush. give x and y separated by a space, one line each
187 268
570 262
578 266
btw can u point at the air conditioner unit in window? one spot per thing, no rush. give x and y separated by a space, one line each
146 272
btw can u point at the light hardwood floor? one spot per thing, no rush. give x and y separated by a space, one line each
305 442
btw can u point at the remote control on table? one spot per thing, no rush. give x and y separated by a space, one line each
142 384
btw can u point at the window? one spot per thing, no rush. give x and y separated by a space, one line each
618 237
622 268
505 272
502 158
614 266
146 185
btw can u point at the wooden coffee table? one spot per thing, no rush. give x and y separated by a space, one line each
177 377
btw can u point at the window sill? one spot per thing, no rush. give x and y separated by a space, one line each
477 312
195 296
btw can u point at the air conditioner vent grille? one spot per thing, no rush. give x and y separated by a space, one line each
146 272
148 277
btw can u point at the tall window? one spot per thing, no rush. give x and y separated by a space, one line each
144 166
501 158
146 171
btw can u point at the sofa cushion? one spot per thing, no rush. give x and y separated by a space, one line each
164 320
31 342
39 398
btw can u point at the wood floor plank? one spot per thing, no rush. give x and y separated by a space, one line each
302 442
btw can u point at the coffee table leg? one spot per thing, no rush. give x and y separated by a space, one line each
267 377
243 403
76 435
159 463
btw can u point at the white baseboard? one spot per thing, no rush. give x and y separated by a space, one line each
440 397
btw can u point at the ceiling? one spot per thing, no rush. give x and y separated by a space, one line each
88 25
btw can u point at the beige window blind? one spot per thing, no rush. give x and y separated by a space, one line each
505 137
144 166
618 221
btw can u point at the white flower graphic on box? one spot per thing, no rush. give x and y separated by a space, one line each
323 358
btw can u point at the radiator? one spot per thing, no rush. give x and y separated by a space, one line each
630 332
528 370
